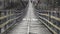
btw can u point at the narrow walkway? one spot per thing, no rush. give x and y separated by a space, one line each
35 26
30 24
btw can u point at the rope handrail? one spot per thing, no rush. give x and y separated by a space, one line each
50 23
5 16
2 25
48 27
56 18
46 11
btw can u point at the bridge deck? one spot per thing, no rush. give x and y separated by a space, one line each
30 24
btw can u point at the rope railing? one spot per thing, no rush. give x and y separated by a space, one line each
53 17
5 16
12 13
50 23
41 16
2 25
48 12
47 26
17 15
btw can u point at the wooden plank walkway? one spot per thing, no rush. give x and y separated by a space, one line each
30 25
